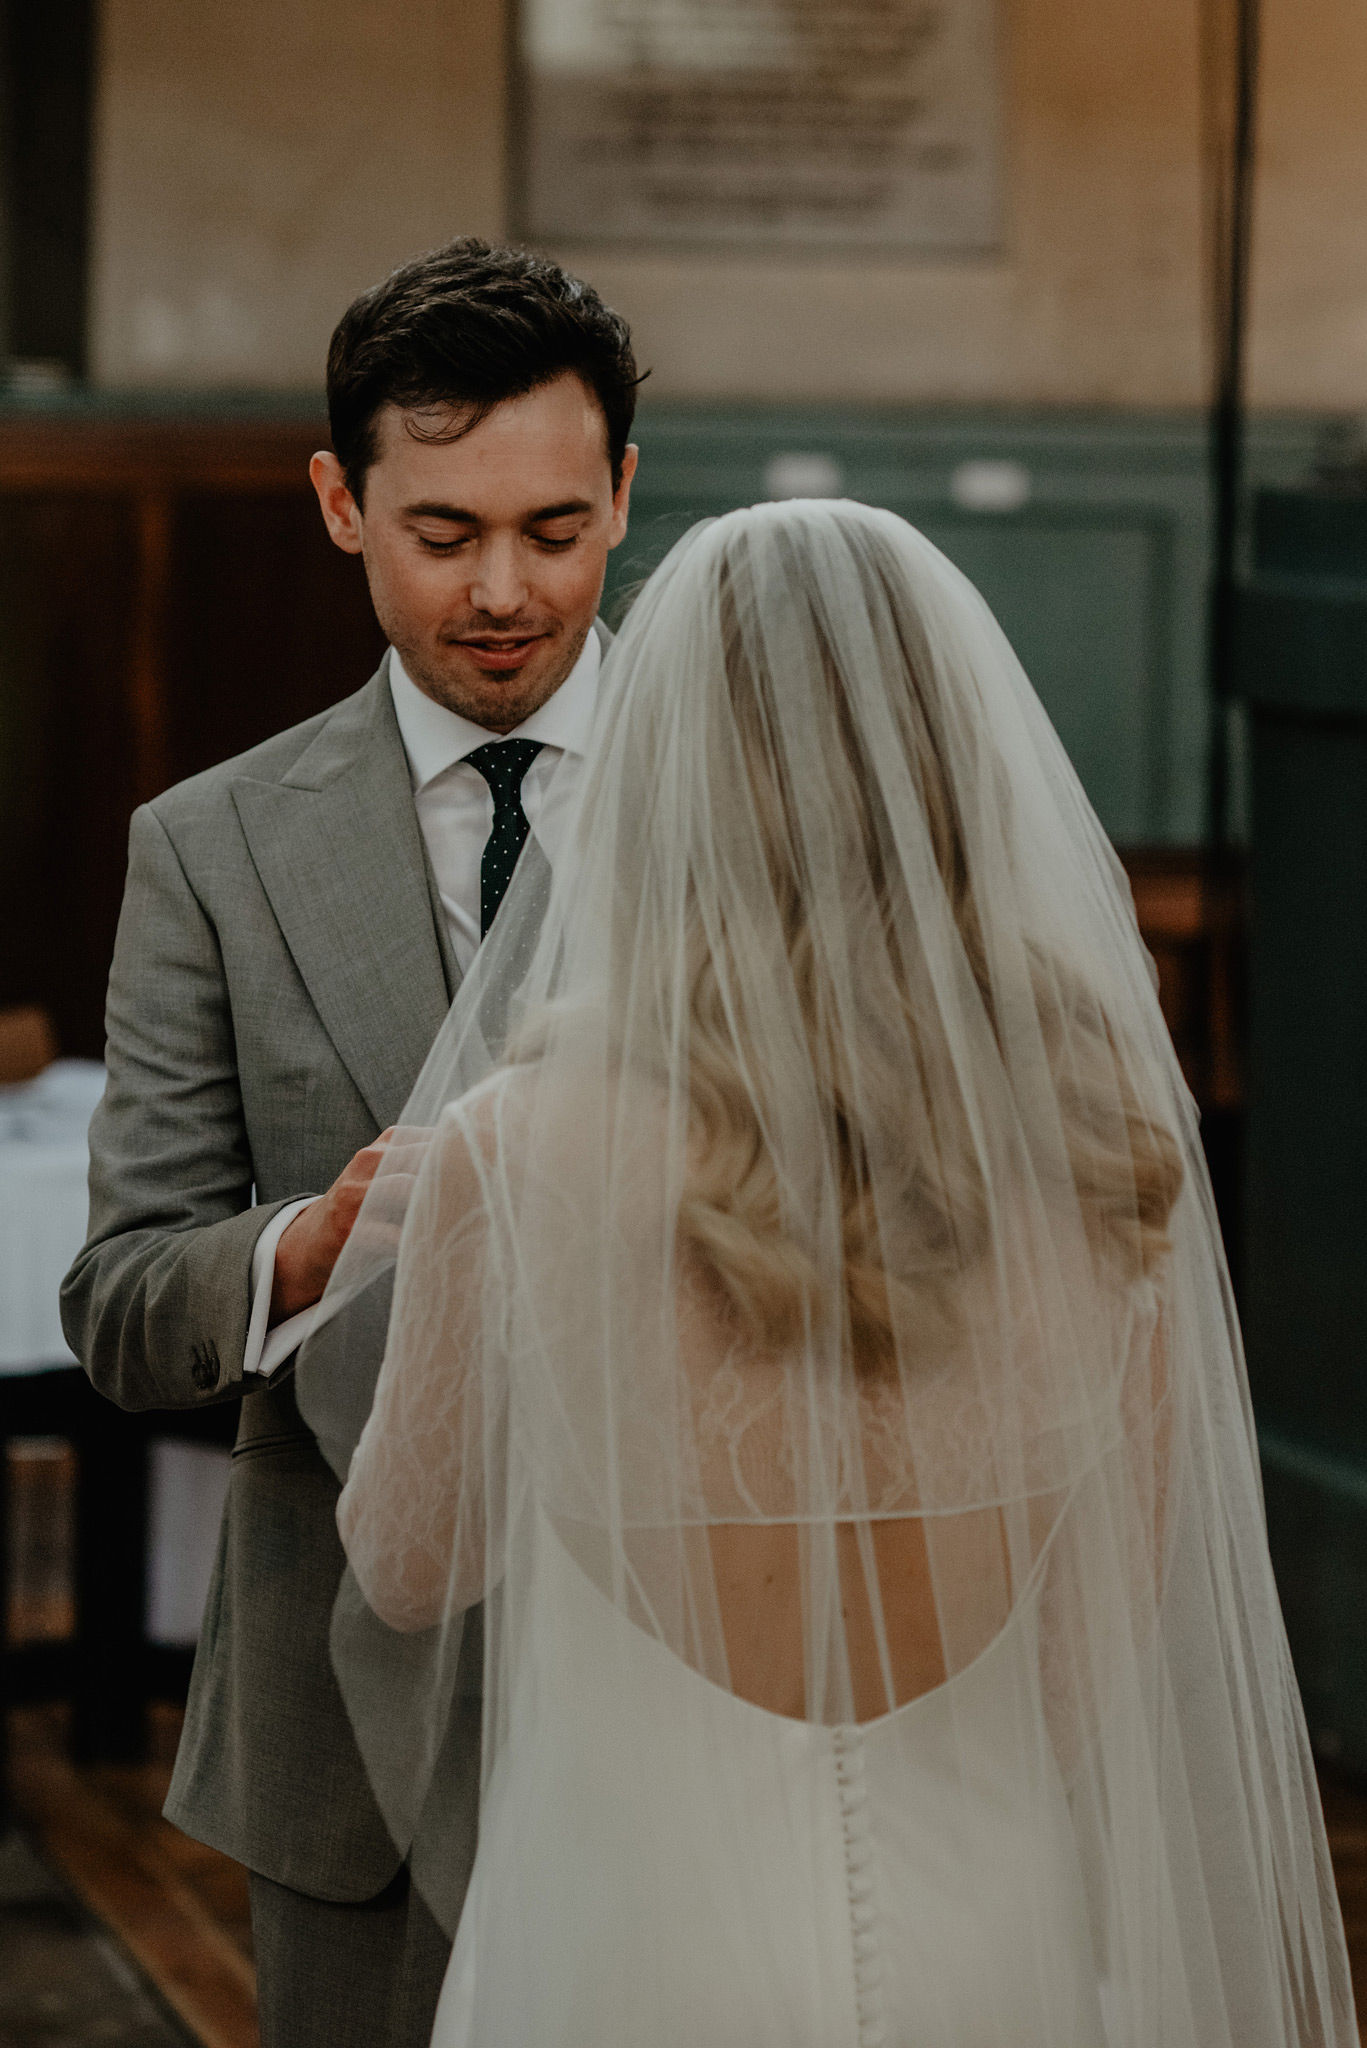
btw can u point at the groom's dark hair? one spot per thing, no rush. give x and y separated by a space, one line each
462 329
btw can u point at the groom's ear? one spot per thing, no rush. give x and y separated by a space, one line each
341 513
621 497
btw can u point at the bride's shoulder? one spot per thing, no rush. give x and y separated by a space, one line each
492 1123
548 1112
477 1121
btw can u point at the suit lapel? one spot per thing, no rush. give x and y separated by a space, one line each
337 846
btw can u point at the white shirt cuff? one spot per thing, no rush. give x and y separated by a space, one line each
266 1348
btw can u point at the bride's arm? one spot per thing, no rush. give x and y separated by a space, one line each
1123 1513
412 1513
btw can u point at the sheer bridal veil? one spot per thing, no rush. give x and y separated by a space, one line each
815 1245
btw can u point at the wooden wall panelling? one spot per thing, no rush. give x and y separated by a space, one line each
1192 912
146 674
216 612
167 597
66 626
1098 572
267 622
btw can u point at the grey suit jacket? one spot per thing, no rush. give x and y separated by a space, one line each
280 972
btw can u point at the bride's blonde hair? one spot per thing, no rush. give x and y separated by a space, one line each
899 1269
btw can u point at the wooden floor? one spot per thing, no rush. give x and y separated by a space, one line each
178 1908
1345 1812
181 1909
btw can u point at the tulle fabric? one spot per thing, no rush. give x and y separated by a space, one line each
812 1247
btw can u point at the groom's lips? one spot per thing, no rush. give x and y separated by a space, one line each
500 656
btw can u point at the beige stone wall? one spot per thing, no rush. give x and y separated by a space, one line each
259 163
1309 329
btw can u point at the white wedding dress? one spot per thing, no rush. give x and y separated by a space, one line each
811 1347
938 1821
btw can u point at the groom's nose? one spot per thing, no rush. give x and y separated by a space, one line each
498 587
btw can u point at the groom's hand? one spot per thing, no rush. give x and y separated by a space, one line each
311 1246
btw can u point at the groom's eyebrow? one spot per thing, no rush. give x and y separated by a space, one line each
565 511
456 515
430 508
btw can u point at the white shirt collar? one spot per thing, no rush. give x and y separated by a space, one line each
434 738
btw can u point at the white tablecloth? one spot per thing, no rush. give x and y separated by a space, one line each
42 1207
43 1163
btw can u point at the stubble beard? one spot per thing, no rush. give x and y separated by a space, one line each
497 703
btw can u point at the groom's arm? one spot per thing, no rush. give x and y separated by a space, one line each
157 1304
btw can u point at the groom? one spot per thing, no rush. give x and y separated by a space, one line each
295 923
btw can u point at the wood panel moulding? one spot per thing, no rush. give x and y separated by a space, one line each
156 455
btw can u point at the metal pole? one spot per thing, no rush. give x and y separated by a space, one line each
1231 166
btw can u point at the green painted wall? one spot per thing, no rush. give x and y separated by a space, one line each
1098 576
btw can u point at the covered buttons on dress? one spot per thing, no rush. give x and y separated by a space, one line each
848 1750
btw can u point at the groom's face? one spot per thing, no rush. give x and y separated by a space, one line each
485 555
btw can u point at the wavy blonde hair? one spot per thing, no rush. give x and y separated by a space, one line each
900 1270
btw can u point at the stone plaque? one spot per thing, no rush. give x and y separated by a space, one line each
867 124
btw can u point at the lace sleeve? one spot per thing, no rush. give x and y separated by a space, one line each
412 1513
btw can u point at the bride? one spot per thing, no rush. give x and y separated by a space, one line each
811 1345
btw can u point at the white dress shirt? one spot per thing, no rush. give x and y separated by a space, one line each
455 808
454 803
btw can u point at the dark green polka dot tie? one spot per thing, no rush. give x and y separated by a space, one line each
502 763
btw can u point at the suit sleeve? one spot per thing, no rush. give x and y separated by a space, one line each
157 1304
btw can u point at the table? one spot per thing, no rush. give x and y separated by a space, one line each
43 1160
148 1502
